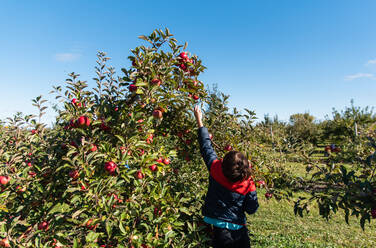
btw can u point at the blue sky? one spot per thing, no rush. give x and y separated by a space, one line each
276 57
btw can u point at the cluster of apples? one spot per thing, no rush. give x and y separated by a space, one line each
82 121
183 63
153 167
110 167
184 60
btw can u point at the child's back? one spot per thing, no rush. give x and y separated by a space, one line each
231 193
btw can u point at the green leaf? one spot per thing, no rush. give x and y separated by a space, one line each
59 208
122 229
75 243
109 228
185 210
92 236
120 138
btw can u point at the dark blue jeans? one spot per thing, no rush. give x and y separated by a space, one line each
225 238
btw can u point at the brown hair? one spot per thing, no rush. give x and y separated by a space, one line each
235 166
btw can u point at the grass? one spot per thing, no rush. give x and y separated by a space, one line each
275 225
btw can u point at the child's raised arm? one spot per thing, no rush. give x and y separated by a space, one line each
206 149
198 115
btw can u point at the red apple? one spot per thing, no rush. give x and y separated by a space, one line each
268 195
149 139
132 88
183 55
4 242
20 189
261 183
32 173
210 136
156 211
74 100
157 114
43 226
140 175
166 161
104 127
83 186
87 121
74 174
183 67
195 97
73 143
188 142
89 224
156 81
153 167
110 167
228 148
72 124
93 148
159 160
193 84
34 131
4 180
81 121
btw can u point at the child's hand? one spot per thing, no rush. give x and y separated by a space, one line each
198 115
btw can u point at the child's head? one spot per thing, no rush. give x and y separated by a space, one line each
235 166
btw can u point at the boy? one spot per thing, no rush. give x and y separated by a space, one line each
231 192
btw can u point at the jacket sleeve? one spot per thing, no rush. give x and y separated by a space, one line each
206 149
251 203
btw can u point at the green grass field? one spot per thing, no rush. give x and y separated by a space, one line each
275 225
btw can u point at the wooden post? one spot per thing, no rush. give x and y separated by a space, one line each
356 129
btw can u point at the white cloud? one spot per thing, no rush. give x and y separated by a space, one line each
371 62
67 57
359 75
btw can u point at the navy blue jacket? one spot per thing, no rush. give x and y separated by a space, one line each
225 200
